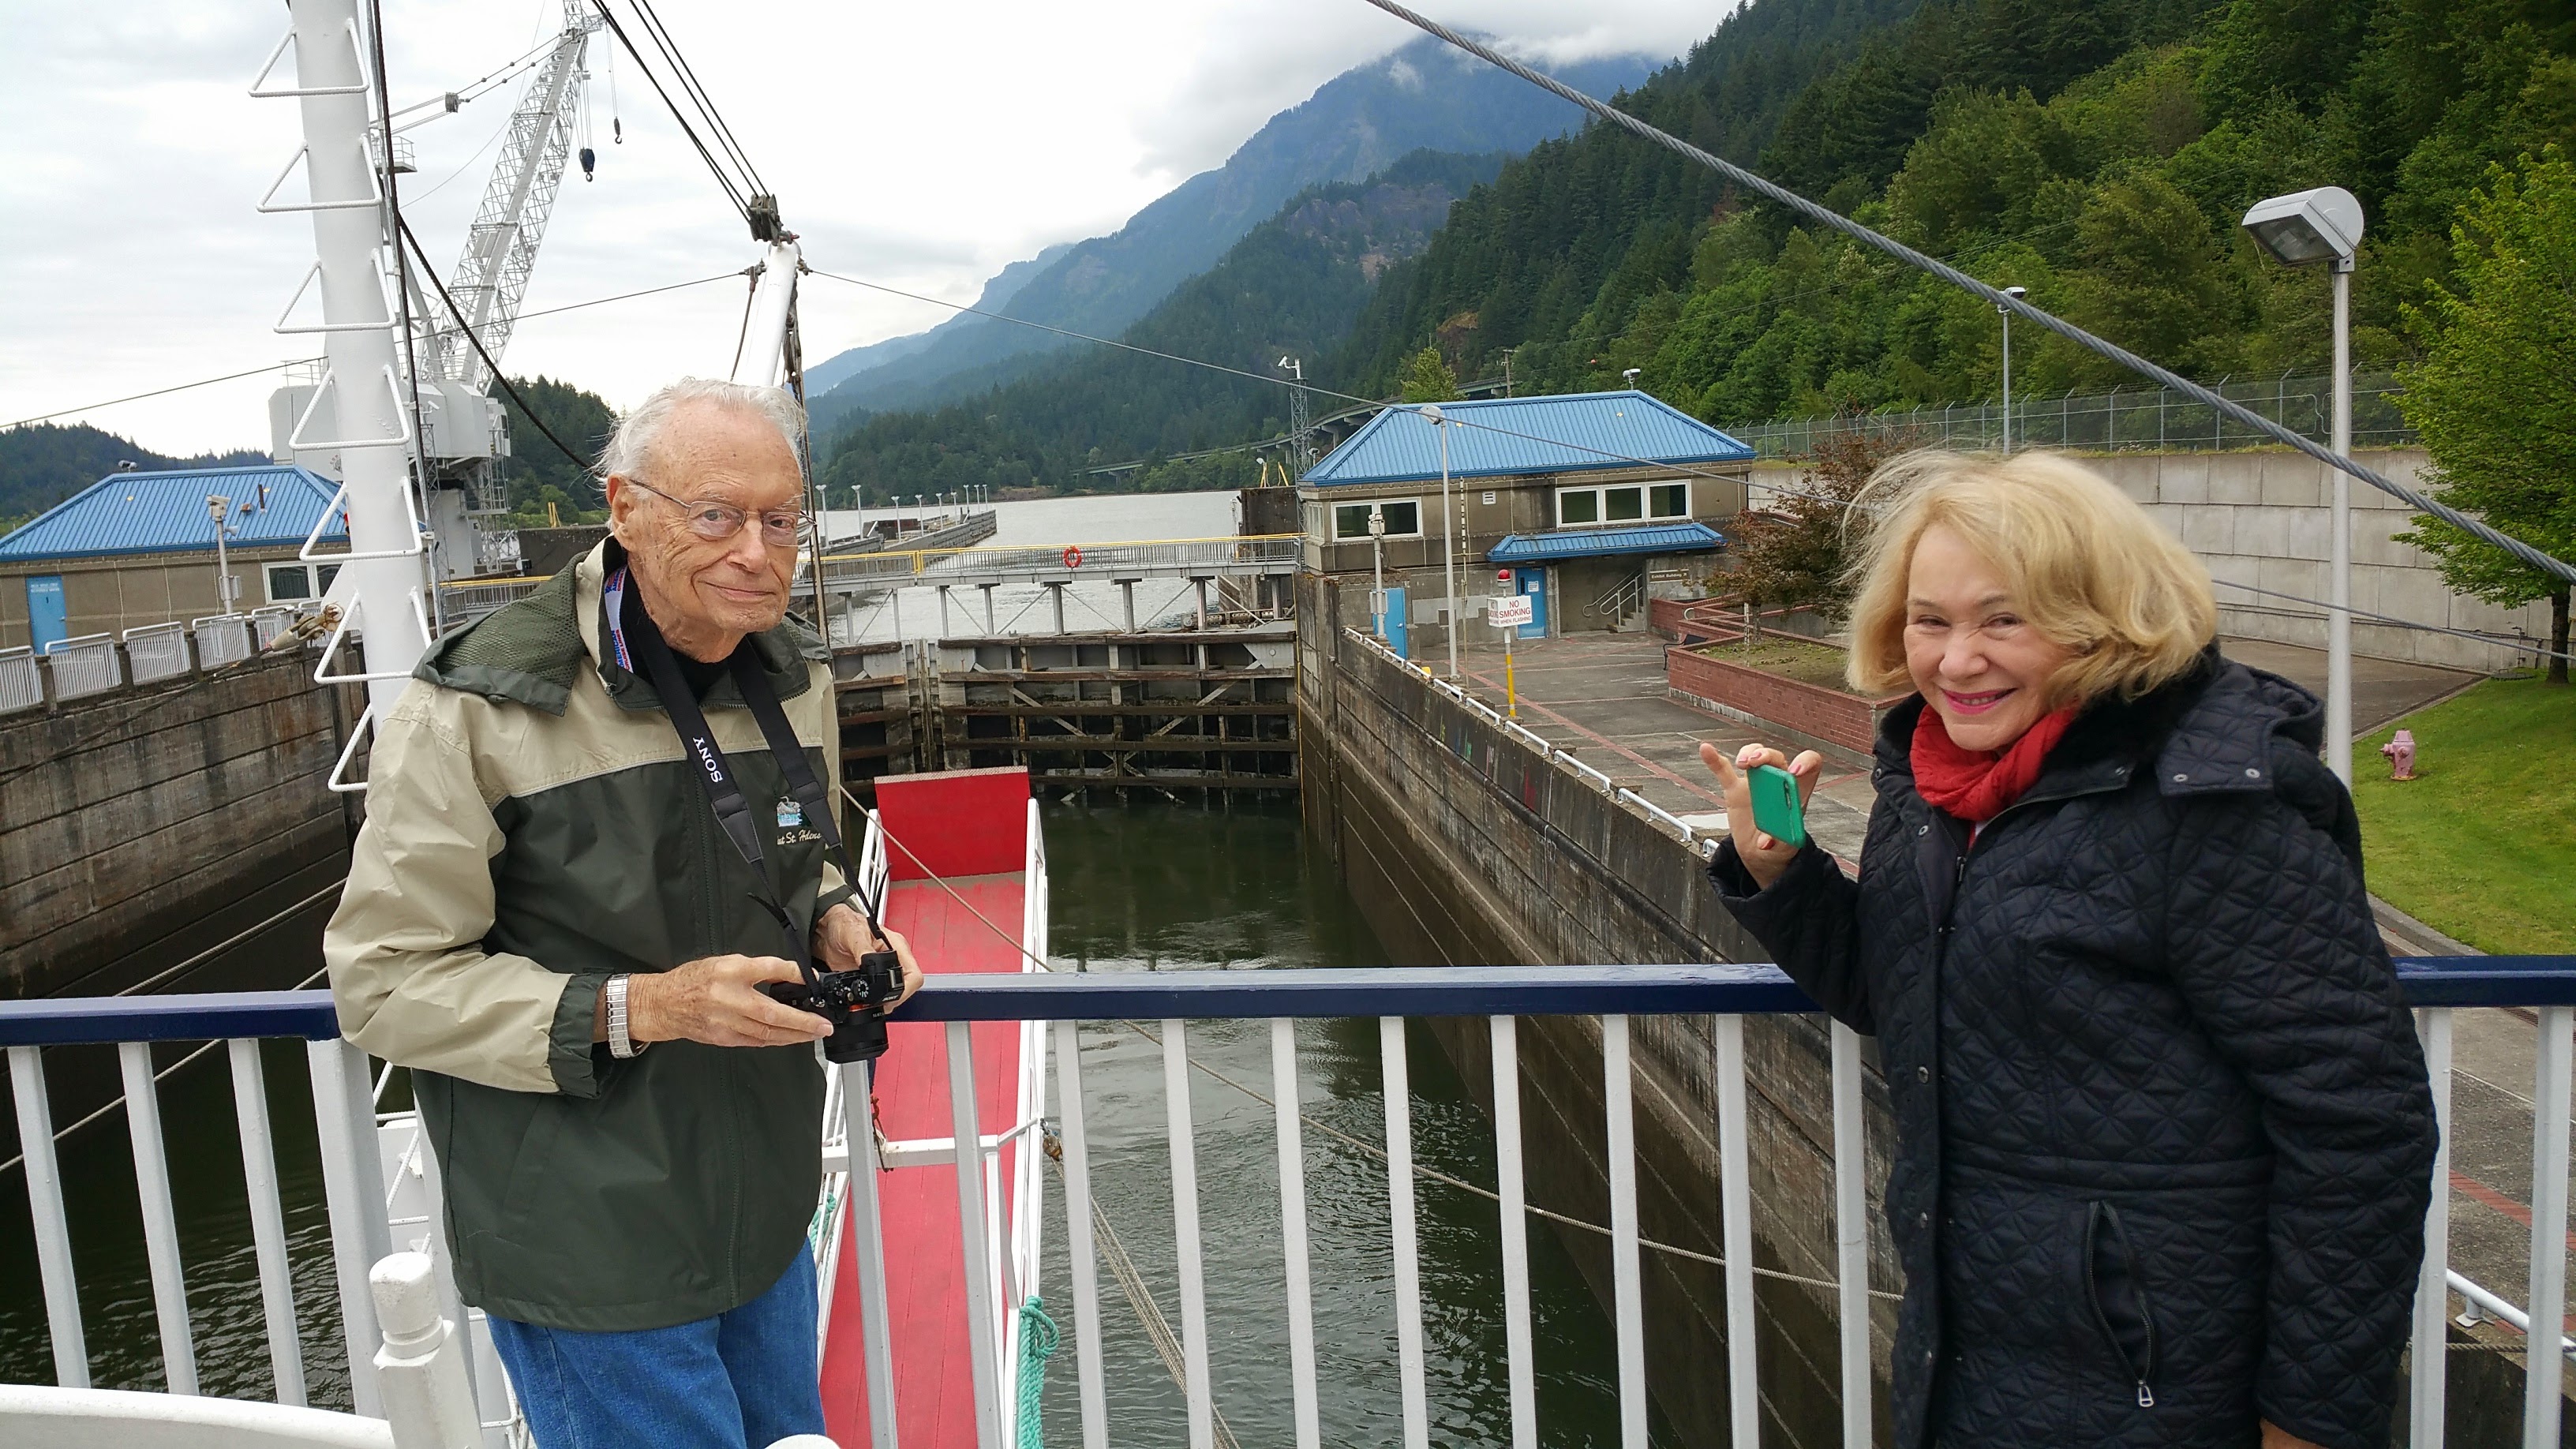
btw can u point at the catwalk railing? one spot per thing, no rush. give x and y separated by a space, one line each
1728 993
2156 419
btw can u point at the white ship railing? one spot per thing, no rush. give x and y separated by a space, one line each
355 1183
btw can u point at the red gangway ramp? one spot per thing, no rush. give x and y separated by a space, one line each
969 829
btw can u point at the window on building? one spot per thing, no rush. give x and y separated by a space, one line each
1621 503
1403 519
290 583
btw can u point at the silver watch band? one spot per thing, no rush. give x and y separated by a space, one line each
619 1043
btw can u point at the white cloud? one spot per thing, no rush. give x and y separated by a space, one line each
922 147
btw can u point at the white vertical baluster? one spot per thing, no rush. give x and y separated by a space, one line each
1627 1292
160 1220
1077 1237
45 1205
1185 1236
1735 1199
981 1350
2544 1370
2428 1381
1292 1233
1399 1208
867 1242
267 1220
1851 1234
441 1257
1517 1352
353 1184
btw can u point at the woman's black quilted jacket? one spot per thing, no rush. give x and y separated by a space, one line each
2163 1134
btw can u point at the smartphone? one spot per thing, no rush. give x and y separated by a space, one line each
1777 811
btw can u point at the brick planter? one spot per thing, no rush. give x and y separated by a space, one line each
1756 697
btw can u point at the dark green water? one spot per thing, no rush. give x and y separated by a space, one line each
1136 887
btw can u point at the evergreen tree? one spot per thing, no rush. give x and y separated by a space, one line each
1427 379
2495 397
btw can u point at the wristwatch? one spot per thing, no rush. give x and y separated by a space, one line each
619 1043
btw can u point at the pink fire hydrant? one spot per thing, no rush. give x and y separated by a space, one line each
2401 753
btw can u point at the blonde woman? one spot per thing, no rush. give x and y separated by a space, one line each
2163 1133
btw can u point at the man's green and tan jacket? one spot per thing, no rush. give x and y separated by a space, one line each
532 830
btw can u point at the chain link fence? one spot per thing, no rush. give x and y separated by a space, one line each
2145 419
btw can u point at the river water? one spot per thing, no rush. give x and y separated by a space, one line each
1136 887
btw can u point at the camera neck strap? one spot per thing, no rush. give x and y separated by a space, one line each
637 638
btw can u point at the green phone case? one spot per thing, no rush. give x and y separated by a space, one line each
1777 811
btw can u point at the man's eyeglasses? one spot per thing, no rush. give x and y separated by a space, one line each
715 522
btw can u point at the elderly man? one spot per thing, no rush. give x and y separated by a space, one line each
547 922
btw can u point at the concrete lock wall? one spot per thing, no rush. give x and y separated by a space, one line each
148 824
2261 518
1463 846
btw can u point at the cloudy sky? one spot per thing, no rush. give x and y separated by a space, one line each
923 146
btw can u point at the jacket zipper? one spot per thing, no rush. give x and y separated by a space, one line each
2101 1212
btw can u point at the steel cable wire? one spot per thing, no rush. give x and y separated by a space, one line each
1826 216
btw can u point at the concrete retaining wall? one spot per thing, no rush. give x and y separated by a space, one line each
146 825
2261 517
1462 845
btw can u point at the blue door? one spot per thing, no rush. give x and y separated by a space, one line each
45 612
1532 584
1397 635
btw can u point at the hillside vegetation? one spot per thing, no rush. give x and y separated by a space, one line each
2098 152
41 464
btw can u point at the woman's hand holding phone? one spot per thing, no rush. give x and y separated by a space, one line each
1765 853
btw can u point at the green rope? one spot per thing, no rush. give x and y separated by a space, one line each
1038 1339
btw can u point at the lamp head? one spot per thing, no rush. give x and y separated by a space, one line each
2323 224
2016 293
1431 414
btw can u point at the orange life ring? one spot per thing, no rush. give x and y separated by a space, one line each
1073 556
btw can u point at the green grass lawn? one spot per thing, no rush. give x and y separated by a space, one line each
2481 844
1799 659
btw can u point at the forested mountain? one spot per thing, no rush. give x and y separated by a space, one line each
1292 286
42 464
537 472
1426 96
2098 152
1006 284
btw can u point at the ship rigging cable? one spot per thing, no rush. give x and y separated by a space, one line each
733 193
302 361
462 326
1826 216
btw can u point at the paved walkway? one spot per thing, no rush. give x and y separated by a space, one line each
1602 696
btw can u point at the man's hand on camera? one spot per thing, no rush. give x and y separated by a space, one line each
717 1000
842 936
1764 857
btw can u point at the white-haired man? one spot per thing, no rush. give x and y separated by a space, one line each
544 889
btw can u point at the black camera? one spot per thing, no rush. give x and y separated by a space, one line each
853 1001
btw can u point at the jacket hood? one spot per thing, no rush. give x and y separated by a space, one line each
532 650
2212 730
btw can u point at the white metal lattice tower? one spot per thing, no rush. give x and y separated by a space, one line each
501 247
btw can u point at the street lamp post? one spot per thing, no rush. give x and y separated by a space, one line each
2325 225
217 506
1448 530
1377 566
2016 293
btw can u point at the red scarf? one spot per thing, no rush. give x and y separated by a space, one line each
1976 785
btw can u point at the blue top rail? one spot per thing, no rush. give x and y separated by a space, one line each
1722 989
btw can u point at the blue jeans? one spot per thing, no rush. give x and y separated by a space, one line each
743 1379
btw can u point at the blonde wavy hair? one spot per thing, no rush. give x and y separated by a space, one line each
2083 562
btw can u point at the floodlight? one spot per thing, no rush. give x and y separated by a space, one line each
2323 224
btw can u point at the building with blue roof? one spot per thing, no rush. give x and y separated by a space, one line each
1588 503
138 548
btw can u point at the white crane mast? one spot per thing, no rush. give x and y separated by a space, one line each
501 248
